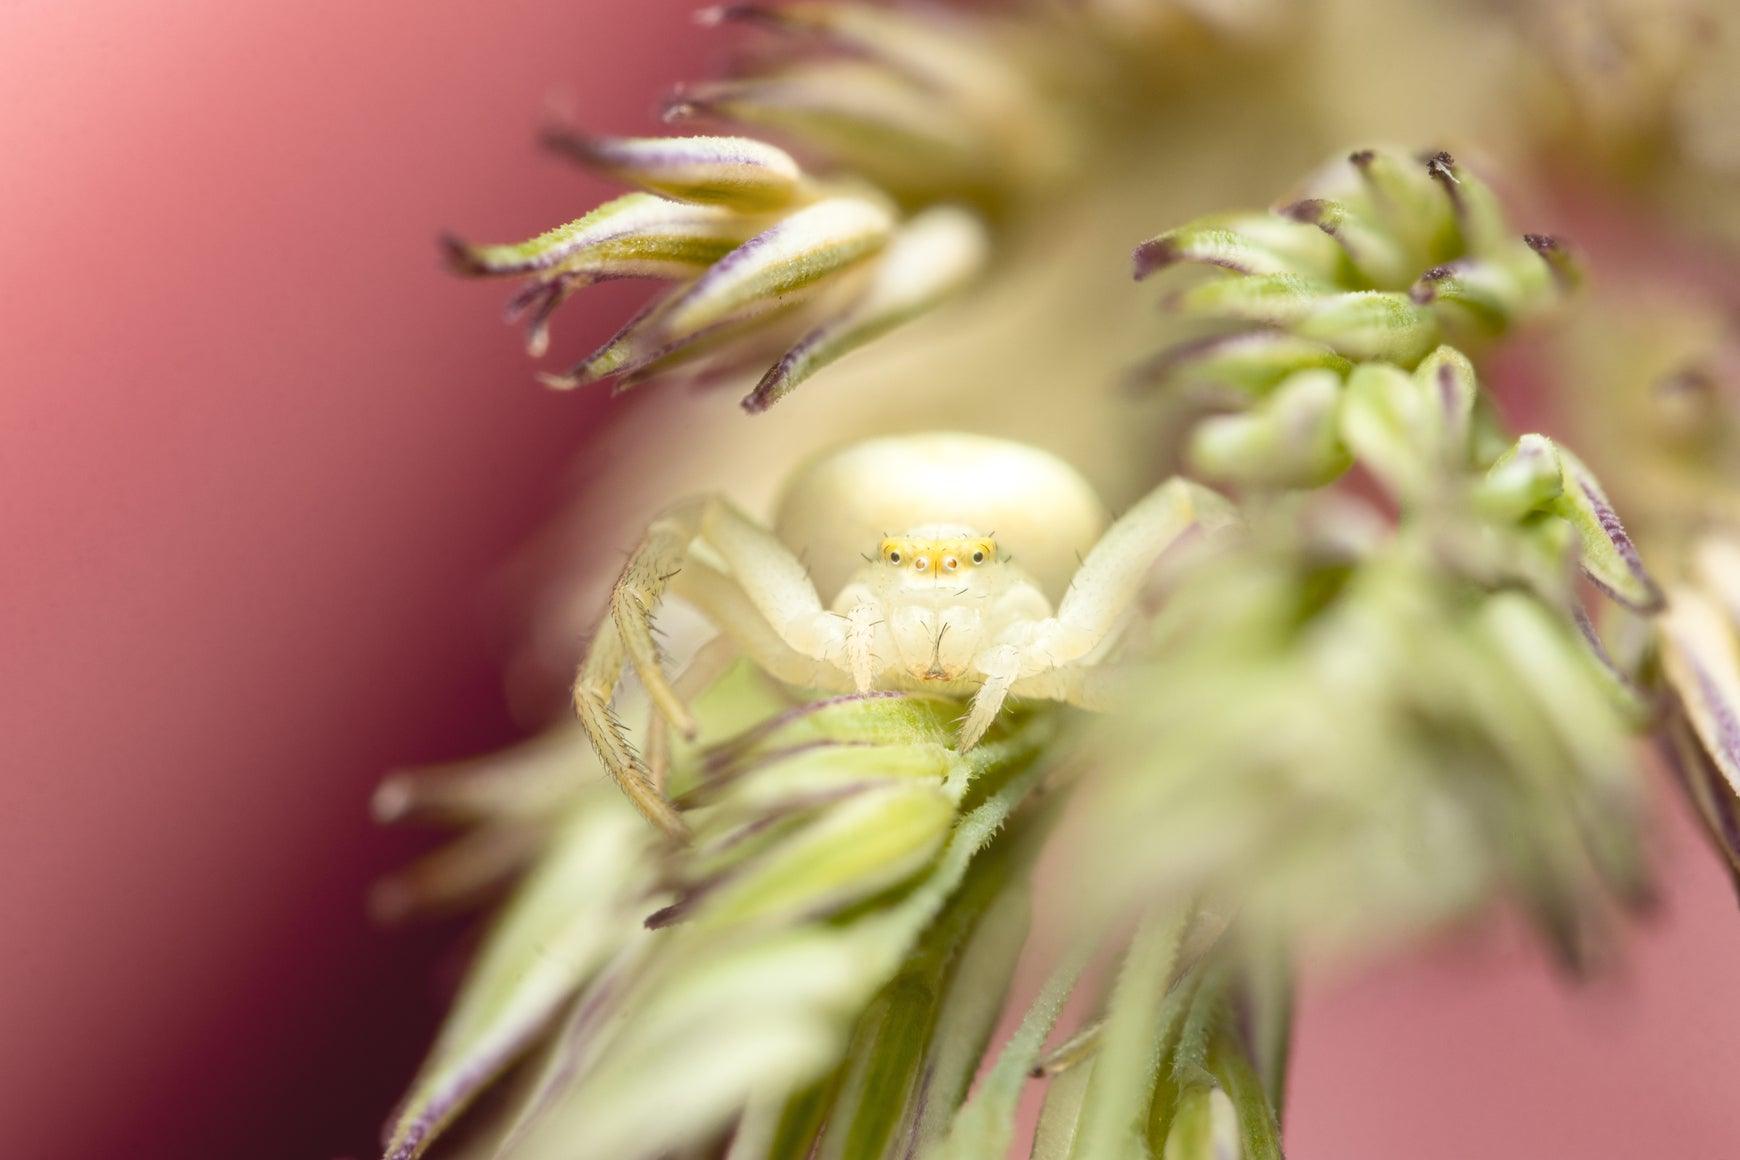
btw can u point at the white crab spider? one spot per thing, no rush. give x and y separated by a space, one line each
944 552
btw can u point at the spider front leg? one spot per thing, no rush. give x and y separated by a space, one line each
594 689
1099 597
626 635
1001 667
763 600
780 588
863 616
706 667
658 558
721 599
1084 685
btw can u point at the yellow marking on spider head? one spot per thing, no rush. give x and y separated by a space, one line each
940 556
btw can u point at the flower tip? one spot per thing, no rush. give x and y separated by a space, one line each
566 381
458 257
1652 601
1557 255
1640 895
681 105
776 384
1310 210
392 800
1153 255
564 139
716 14
1440 165
1360 158
391 902
1425 290
664 916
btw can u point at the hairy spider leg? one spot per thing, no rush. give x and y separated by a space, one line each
1099 596
776 588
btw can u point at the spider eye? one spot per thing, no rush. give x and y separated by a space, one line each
950 563
978 557
920 564
894 557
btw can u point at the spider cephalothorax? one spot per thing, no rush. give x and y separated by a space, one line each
945 554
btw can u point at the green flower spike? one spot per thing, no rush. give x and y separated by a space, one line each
1351 292
1388 257
1448 642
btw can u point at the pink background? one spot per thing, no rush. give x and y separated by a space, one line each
261 463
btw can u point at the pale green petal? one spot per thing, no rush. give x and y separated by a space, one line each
1400 196
933 256
801 774
861 115
1245 244
1290 439
1608 557
1388 425
458 875
1205 1126
636 235
869 842
1252 362
1114 1113
928 44
761 1016
1525 478
789 258
1447 377
1480 219
1702 661
983 1127
1260 1134
532 781
737 172
571 914
917 1048
1388 256
1380 257
1060 1118
1280 300
978 986
1371 324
